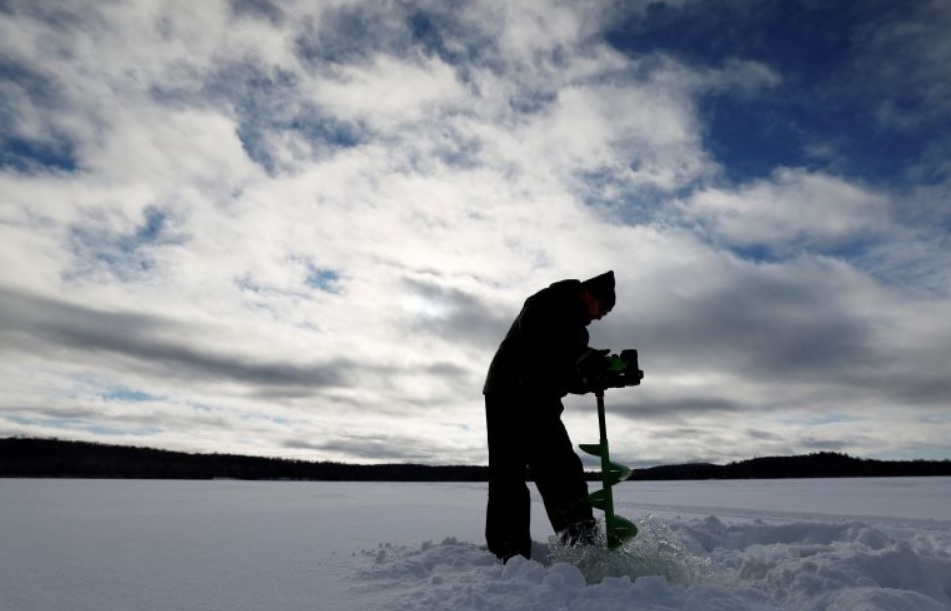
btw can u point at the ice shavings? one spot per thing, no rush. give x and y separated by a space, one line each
685 565
657 550
478 581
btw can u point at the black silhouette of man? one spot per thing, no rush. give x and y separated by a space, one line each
535 366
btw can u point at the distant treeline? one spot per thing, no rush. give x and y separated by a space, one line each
20 457
25 457
819 464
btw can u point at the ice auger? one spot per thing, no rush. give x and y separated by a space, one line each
619 371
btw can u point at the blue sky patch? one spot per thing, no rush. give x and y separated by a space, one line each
327 280
83 424
263 111
126 394
826 94
125 256
26 90
30 156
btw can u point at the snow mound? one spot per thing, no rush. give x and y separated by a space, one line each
686 565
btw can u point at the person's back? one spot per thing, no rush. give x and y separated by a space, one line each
541 346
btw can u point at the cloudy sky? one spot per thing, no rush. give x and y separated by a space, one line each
300 229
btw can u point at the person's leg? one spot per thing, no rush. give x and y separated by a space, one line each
559 476
508 514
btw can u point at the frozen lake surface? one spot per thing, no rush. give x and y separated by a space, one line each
127 545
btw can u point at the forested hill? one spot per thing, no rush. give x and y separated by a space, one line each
821 464
55 458
23 457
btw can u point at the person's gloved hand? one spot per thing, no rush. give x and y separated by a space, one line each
593 368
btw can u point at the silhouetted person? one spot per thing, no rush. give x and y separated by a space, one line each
534 368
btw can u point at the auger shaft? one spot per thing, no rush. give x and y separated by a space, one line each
617 529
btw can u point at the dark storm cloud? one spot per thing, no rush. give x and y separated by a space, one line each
463 316
253 9
461 379
762 435
672 410
756 324
371 447
44 326
804 333
826 445
92 419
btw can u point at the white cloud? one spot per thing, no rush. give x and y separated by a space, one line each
389 92
791 210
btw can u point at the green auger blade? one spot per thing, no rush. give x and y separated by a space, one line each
621 530
615 474
598 499
595 449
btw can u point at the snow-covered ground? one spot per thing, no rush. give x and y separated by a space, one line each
82 545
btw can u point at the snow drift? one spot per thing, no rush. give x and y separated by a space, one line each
817 545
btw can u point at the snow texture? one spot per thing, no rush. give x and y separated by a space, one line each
836 545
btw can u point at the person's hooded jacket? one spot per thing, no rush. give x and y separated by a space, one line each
539 355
